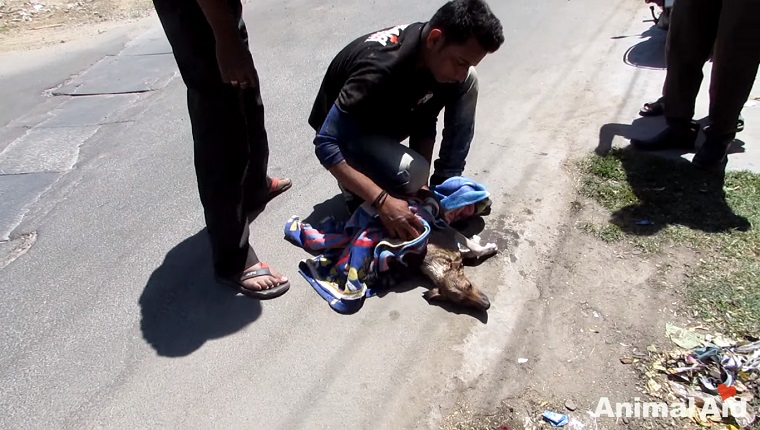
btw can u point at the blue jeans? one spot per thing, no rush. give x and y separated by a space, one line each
394 167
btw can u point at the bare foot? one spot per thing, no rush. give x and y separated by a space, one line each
263 282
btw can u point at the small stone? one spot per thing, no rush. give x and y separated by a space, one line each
570 405
522 360
626 420
626 360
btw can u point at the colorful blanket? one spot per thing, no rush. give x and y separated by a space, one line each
355 253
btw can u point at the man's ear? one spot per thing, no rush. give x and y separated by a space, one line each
433 37
432 295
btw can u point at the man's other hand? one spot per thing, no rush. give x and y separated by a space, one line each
235 62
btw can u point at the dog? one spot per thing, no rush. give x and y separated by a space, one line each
443 264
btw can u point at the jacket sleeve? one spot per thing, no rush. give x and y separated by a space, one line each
356 102
337 130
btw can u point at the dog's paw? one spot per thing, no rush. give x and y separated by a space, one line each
487 249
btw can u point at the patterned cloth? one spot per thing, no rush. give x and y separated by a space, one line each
355 253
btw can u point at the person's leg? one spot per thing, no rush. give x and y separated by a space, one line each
694 26
259 187
458 131
219 135
691 36
735 66
396 168
657 107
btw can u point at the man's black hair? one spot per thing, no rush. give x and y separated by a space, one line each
459 20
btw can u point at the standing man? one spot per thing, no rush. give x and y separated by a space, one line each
391 85
696 26
210 45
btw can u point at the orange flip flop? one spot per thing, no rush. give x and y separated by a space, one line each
278 186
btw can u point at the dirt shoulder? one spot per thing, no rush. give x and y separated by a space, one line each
33 24
649 245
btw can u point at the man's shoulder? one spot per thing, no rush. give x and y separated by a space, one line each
395 40
366 67
386 37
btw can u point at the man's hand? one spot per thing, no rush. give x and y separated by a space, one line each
394 213
399 220
232 55
235 62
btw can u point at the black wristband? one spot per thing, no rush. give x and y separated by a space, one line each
379 199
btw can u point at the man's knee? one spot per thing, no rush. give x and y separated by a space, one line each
415 169
388 163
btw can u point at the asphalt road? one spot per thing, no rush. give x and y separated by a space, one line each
110 319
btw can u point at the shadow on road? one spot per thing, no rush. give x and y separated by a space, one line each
668 189
335 207
644 128
470 226
649 53
183 307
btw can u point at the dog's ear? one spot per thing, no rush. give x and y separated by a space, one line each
432 295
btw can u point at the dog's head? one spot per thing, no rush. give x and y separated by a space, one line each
445 269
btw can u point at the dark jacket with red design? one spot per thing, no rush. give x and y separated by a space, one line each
377 85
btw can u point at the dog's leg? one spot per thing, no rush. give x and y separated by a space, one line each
472 248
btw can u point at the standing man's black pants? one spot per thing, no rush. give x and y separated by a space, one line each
732 27
231 148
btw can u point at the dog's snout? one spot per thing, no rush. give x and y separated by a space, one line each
485 303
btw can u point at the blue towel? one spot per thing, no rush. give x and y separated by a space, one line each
458 191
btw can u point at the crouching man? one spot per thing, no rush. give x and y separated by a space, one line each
391 85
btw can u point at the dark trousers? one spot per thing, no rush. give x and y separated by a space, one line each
230 140
732 27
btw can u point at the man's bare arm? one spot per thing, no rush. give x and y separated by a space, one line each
355 181
394 213
235 62
221 19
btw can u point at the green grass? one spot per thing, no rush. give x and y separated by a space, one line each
657 202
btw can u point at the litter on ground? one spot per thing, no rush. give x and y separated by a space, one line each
710 370
556 419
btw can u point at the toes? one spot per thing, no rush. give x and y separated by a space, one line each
262 283
278 278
